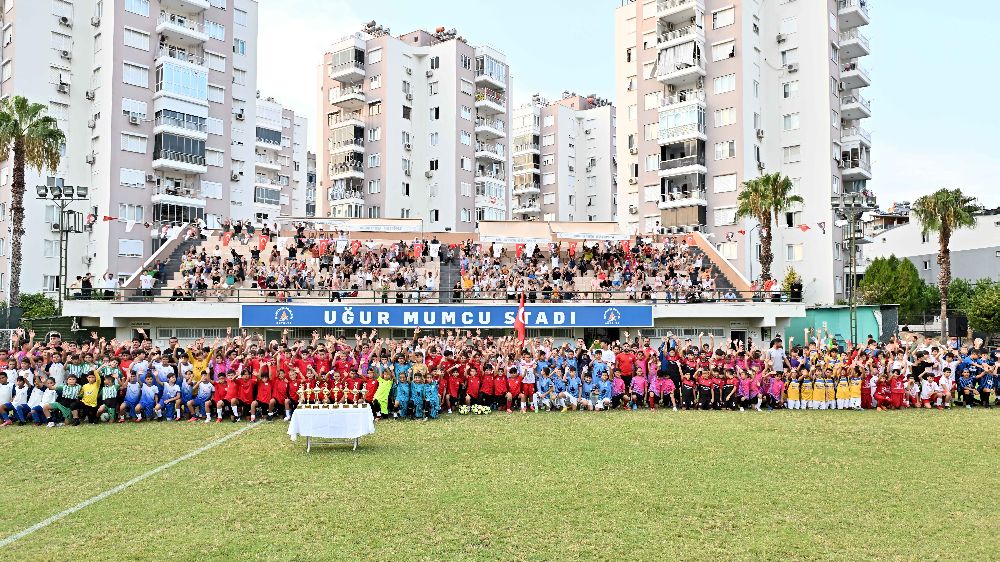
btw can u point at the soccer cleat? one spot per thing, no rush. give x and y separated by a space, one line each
138 419
564 409
8 422
192 419
236 419
675 408
218 420
287 417
121 419
51 424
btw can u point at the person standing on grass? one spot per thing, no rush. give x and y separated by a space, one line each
89 397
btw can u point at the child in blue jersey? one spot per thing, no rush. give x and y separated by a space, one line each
544 396
571 397
432 395
417 394
186 383
147 399
559 389
200 403
133 392
604 395
170 399
588 392
967 388
401 370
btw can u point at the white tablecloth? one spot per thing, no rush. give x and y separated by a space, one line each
338 423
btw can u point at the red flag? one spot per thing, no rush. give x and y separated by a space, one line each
226 237
742 231
106 218
519 321
418 249
689 240
262 244
518 249
572 249
626 246
803 227
323 245
355 246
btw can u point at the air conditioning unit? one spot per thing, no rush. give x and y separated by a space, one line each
65 22
90 94
90 159
62 88
671 89
240 115
429 73
234 176
429 174
672 229
841 87
760 133
792 67
409 97
633 210
633 181
56 227
134 119
687 229
781 38
633 150
66 55
150 178
407 146
91 124
95 21
409 71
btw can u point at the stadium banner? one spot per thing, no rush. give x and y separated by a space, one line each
606 237
444 316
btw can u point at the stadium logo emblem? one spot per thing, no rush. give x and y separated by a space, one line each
283 316
612 316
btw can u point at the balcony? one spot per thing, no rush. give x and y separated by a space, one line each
267 163
352 119
853 44
694 164
681 73
490 128
679 11
346 170
340 196
265 144
856 168
530 148
182 127
854 76
483 200
490 102
527 169
495 176
349 145
678 36
682 99
490 152
530 207
855 107
678 199
179 161
855 135
195 6
348 73
489 79
680 133
350 98
181 29
187 195
170 52
853 13
526 189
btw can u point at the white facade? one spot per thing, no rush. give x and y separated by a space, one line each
711 93
154 98
279 161
564 160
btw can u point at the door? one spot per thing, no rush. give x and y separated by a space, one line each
740 336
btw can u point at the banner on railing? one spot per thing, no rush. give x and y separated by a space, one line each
604 236
444 316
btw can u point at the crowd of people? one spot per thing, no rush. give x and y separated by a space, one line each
242 376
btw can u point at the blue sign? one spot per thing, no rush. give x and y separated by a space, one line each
444 316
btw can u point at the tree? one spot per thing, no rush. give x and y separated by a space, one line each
891 280
36 141
984 310
944 212
876 287
763 199
908 289
38 305
959 293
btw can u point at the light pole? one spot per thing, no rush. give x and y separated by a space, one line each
68 221
849 207
752 256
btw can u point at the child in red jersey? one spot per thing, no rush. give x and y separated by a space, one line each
882 393
472 386
513 388
897 389
245 393
233 394
219 398
687 391
486 386
265 396
279 391
499 388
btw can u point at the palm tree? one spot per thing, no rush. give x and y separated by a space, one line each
944 212
36 141
763 199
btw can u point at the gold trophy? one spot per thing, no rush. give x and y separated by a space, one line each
315 397
302 396
326 397
361 400
336 394
356 392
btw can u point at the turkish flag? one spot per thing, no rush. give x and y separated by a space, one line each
626 246
518 249
355 246
106 218
572 249
323 245
262 243
418 249
226 237
741 231
519 322
803 227
689 240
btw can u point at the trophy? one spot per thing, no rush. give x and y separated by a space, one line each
361 400
326 396
356 391
336 394
302 395
315 396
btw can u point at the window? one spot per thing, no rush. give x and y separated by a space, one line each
465 138
215 30
724 184
130 248
548 121
50 248
375 82
434 138
465 163
435 113
374 56
651 131
548 140
374 109
725 150
135 75
652 162
375 134
466 189
374 160
790 56
633 112
182 80
211 189
724 117
214 157
407 112
791 121
724 50
130 107
239 76
793 219
136 39
128 212
789 26
374 186
548 179
465 61
406 189
215 61
131 178
793 252
435 215
467 87
50 283
239 47
835 185
134 143
651 194
216 94
791 154
213 126
138 7
466 113
240 17
435 63
790 89
433 88
433 165
725 83
723 18
725 216
6 71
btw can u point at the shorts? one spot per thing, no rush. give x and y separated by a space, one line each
855 402
147 408
110 404
842 403
793 403
570 398
199 402
528 388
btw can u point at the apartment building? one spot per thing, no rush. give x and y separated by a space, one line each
280 164
414 126
564 160
310 184
155 98
711 93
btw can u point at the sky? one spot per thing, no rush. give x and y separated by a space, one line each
932 68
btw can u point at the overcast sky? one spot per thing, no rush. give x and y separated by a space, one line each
932 70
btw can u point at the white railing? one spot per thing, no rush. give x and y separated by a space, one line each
682 130
683 195
860 4
853 66
855 132
187 190
181 55
683 97
346 91
494 150
678 33
492 174
847 100
166 121
671 4
350 65
344 117
181 21
492 123
526 147
854 34
486 94
180 157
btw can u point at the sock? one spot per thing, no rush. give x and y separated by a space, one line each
508 403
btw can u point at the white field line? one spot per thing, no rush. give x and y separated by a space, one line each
88 502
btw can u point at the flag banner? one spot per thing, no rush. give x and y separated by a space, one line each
262 244
226 238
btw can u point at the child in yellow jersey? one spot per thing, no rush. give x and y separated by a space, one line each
831 389
806 393
843 392
793 391
854 392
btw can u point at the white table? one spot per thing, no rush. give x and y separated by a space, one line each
322 426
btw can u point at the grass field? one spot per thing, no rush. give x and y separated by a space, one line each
637 485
